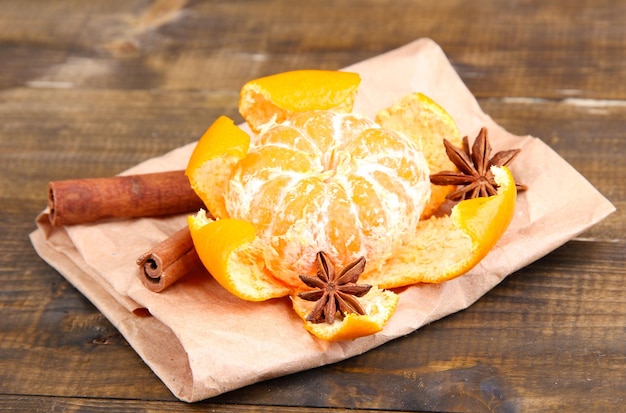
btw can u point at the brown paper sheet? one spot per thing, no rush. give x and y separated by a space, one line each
201 341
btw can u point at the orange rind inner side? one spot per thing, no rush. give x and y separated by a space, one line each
277 96
212 161
449 246
225 247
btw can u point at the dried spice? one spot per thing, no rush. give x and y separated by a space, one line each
474 178
80 201
334 291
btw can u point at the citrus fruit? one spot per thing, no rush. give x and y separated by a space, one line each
332 182
277 96
314 179
427 123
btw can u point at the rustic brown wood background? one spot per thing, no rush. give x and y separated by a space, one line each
91 88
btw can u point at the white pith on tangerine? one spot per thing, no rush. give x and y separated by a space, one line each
331 182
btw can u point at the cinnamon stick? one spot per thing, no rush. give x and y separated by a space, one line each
78 201
168 261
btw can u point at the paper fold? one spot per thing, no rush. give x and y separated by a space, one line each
201 341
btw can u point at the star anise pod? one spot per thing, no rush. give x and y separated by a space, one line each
334 291
474 178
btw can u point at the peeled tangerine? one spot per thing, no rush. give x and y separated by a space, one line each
315 177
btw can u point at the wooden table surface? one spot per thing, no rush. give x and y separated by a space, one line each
88 89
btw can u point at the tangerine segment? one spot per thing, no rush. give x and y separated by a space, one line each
423 120
379 306
211 163
277 96
449 246
226 248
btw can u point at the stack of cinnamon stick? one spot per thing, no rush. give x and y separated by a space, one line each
80 201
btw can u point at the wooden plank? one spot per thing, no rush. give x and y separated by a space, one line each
90 89
73 133
69 405
538 49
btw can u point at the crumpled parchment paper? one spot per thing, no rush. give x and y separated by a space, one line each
201 341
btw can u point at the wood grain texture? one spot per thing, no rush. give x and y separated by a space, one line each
88 89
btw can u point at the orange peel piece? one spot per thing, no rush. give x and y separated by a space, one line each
215 155
449 246
225 247
277 96
379 306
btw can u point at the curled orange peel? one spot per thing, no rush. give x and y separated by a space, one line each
449 246
215 155
225 247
